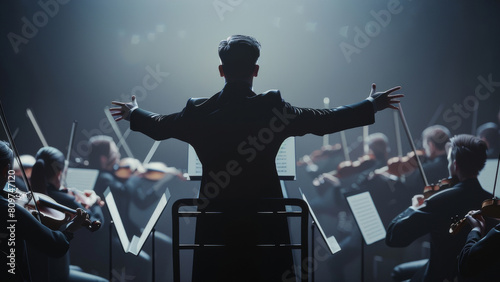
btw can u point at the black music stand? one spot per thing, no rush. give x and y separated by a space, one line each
269 207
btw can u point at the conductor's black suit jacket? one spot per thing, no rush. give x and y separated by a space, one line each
237 134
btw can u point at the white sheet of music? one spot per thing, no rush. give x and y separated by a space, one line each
82 178
367 217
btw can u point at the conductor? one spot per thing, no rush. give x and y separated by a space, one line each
236 134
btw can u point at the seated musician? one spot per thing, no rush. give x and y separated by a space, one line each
466 158
479 259
489 133
435 165
46 179
29 232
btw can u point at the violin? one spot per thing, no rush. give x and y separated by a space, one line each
327 151
442 184
52 214
348 168
128 167
400 166
489 208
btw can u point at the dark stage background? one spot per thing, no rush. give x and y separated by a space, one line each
67 60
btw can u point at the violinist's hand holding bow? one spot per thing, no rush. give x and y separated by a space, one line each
124 110
384 100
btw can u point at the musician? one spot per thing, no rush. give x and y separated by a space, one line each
105 157
489 133
237 134
346 232
435 165
28 231
46 179
466 158
479 259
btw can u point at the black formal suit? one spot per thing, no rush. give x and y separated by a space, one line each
435 218
435 170
479 259
237 134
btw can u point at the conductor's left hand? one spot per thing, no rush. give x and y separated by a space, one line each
384 100
124 109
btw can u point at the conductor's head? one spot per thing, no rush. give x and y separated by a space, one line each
238 55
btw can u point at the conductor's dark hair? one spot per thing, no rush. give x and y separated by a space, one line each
239 54
49 162
469 152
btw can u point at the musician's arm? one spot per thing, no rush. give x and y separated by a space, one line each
479 254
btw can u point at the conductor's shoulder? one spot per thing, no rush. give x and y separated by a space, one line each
196 102
272 96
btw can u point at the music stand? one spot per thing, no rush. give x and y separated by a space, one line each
367 219
135 245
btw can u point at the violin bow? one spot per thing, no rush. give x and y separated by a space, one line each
408 133
16 153
31 116
399 144
70 146
326 137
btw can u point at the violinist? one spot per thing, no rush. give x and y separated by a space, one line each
479 259
46 179
435 166
333 203
433 216
489 133
29 232
105 157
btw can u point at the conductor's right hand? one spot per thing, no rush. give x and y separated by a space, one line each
124 109
383 100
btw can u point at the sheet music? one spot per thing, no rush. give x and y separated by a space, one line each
82 178
135 245
487 176
367 217
331 241
285 161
